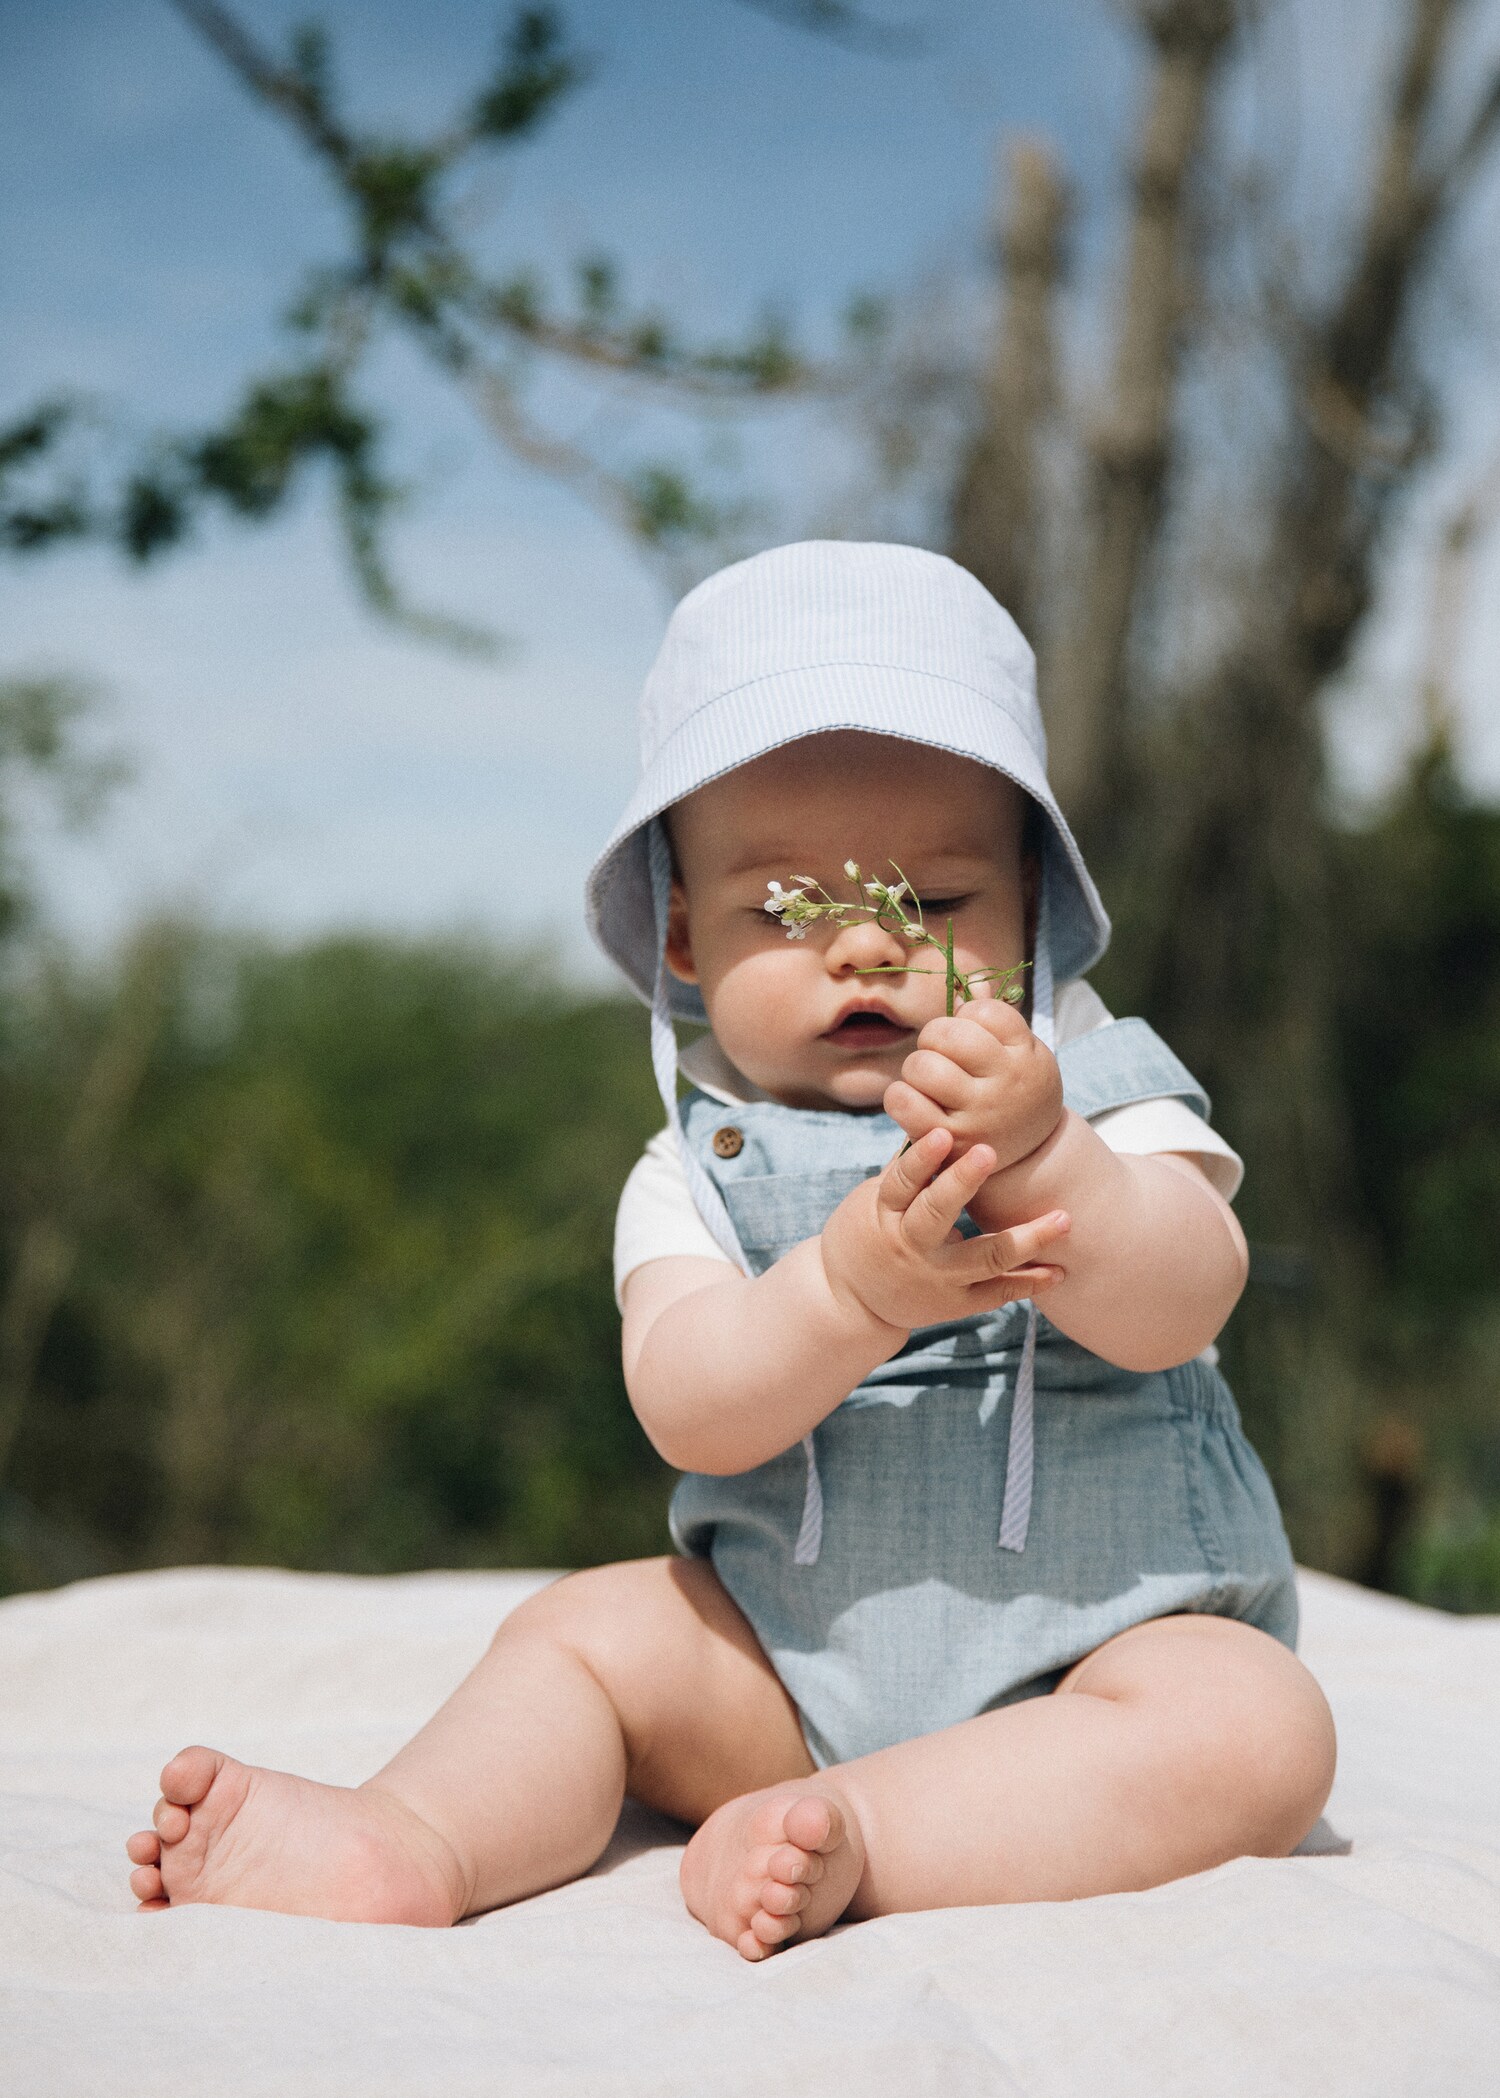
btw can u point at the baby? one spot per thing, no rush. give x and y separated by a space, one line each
972 1605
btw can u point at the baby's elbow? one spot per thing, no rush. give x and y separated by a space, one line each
1180 1332
688 1446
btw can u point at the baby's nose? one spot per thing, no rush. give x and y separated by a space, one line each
864 945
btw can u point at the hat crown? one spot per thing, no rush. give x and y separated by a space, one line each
827 602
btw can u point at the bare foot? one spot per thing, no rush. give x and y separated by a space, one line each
774 1865
261 1839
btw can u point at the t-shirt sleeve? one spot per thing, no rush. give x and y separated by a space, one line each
657 1218
1148 1126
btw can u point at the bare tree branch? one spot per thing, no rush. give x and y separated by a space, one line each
1451 594
1128 446
292 93
995 528
845 25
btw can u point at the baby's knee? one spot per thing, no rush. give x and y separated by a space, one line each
592 1613
1272 1749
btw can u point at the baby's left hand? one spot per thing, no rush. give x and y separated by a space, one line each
983 1076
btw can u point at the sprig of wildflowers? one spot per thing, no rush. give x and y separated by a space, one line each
893 907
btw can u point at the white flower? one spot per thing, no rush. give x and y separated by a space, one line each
796 932
915 933
779 898
851 868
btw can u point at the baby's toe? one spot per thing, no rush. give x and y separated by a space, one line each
144 1847
187 1778
172 1822
796 1867
814 1823
145 1883
779 1900
749 1947
772 1931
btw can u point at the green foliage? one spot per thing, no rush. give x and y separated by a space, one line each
39 504
1457 1566
1420 1034
342 1296
39 720
536 70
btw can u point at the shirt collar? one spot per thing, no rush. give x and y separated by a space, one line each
704 1064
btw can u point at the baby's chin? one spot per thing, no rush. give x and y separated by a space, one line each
856 1088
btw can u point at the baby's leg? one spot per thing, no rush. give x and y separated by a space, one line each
642 1676
1178 1745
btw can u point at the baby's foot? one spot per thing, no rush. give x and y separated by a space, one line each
261 1839
774 1865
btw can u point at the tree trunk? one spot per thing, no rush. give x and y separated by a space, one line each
1128 449
997 513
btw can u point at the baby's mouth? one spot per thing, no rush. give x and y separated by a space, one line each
867 1030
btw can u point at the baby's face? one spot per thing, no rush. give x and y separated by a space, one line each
797 1016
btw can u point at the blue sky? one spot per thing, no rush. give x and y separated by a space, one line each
297 766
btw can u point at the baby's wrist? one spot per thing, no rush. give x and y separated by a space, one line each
855 1315
1034 1181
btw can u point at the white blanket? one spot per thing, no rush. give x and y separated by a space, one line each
1367 1973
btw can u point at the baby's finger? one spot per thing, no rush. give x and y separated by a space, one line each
911 1110
1001 1022
1003 1252
910 1170
931 1217
939 1077
1012 1288
972 1047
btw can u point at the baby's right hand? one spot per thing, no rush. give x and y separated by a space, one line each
893 1246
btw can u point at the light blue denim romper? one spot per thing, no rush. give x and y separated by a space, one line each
1146 1497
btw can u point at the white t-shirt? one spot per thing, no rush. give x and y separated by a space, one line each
657 1220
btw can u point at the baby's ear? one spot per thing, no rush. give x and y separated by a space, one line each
679 940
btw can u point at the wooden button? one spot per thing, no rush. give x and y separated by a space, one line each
729 1142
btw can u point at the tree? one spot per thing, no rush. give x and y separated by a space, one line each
412 268
1197 776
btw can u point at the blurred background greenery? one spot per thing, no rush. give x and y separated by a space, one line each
304 1241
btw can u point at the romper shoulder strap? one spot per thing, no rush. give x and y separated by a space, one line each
1122 1062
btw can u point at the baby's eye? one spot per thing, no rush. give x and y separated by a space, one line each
942 906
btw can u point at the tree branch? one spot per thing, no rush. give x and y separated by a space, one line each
844 25
293 93
996 515
1127 451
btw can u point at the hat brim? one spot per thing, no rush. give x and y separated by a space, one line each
732 729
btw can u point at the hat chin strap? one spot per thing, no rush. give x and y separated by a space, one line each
706 1197
1015 1511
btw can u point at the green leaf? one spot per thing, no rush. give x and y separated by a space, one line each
536 70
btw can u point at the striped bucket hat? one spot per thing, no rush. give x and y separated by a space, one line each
831 634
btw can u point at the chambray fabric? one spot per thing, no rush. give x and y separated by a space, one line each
833 634
1146 1497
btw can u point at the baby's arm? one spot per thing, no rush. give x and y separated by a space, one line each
1155 1260
725 1372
